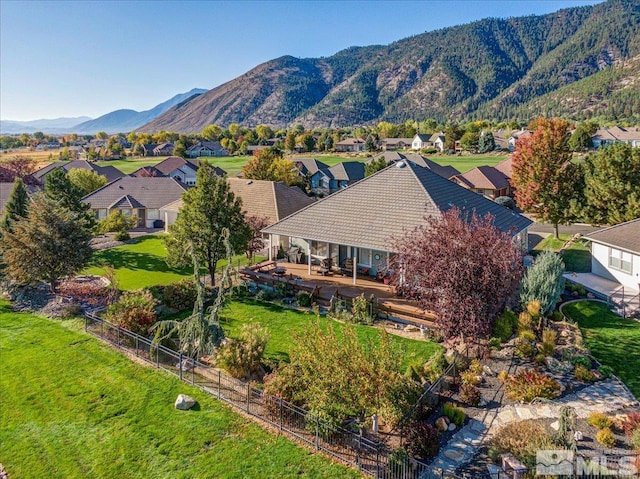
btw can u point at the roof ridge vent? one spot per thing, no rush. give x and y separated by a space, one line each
400 164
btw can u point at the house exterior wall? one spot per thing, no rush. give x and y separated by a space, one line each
187 176
600 265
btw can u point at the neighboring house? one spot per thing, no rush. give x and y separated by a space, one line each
141 197
616 134
5 192
309 166
615 254
271 200
350 145
360 223
421 141
52 145
111 173
501 139
164 149
174 167
392 144
437 141
505 167
324 180
484 180
390 157
206 148
147 150
252 149
517 135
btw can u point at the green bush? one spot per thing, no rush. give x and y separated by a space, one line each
304 299
361 310
547 349
116 222
583 374
469 377
505 325
435 366
582 361
557 316
524 348
495 343
544 282
135 311
470 395
635 439
122 236
606 438
605 371
529 384
422 439
455 414
265 295
241 357
599 420
180 295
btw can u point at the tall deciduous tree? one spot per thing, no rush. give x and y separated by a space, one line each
49 244
543 175
257 241
86 181
17 205
208 209
462 268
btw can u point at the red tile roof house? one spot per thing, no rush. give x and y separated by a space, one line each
141 197
357 225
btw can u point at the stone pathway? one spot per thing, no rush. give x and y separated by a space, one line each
605 396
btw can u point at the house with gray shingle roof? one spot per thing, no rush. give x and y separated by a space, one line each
615 253
446 171
142 197
360 223
111 173
484 180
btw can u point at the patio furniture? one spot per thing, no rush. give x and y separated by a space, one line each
325 267
294 255
280 271
347 269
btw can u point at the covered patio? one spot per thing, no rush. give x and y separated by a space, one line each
624 298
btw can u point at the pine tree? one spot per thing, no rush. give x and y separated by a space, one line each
543 282
17 205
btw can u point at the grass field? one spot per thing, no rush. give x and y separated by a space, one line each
73 408
614 341
577 257
141 263
467 162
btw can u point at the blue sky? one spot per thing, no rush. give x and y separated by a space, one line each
73 58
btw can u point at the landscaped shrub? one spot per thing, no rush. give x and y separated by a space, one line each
527 335
304 299
583 374
361 310
547 349
505 325
524 348
503 376
422 439
122 236
543 282
583 361
240 291
522 439
557 316
525 321
241 357
93 293
549 336
180 295
529 384
469 377
605 371
476 367
606 438
455 414
117 222
540 359
265 295
631 423
599 420
495 343
435 366
635 440
399 467
135 311
470 395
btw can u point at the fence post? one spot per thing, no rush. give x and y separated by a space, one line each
180 365
218 384
248 395
280 401
317 432
137 354
193 372
158 356
102 328
118 336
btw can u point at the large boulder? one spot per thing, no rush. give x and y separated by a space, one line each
184 402
442 423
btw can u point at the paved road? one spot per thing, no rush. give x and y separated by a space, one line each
564 229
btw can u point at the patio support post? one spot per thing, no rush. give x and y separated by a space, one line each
309 258
355 265
270 248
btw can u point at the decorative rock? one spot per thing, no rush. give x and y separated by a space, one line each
555 425
488 371
442 423
482 403
184 402
578 436
452 427
454 455
411 329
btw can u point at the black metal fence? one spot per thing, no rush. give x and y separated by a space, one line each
354 448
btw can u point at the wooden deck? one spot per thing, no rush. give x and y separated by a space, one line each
323 288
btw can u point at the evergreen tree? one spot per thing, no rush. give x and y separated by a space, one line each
208 209
49 244
486 143
59 188
375 165
543 282
17 205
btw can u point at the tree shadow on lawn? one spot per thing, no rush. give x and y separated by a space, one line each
122 259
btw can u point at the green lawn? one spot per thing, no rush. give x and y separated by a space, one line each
72 408
577 257
141 263
613 340
283 324
467 162
231 164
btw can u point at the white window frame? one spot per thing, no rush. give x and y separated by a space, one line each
620 260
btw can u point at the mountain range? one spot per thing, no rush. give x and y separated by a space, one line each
511 68
118 121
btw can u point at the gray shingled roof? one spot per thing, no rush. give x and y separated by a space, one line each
150 192
446 171
347 171
171 164
5 192
310 165
109 172
624 236
372 212
484 177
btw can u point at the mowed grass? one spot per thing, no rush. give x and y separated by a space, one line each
613 340
73 408
142 263
577 258
284 324
467 162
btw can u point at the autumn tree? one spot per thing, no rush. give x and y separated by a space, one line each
208 209
264 132
86 181
612 184
470 141
543 176
212 132
259 166
462 268
290 141
580 139
257 241
49 244
452 134
21 167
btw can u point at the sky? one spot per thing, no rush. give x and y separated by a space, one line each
87 58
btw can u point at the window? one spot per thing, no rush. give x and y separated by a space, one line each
101 213
620 260
153 214
364 256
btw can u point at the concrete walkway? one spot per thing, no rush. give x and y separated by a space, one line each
606 396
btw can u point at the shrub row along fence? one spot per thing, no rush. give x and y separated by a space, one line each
370 456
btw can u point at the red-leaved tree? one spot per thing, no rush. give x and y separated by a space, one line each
257 241
462 268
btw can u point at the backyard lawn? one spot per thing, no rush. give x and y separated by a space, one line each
467 162
612 340
141 263
283 324
73 407
577 257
